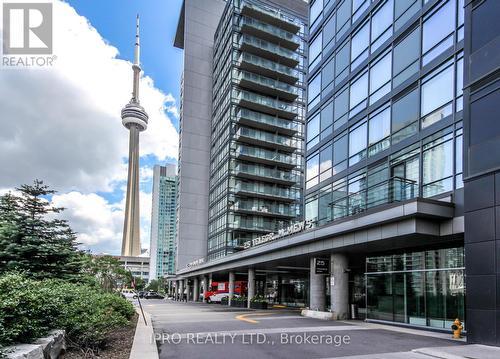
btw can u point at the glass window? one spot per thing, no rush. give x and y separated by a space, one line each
341 107
315 51
459 162
460 77
485 26
340 154
311 209
325 161
313 131
329 33
437 32
405 112
358 94
342 63
436 92
379 129
380 78
404 10
382 24
325 199
312 170
438 169
357 144
406 56
358 6
343 17
327 74
316 11
326 120
359 46
313 91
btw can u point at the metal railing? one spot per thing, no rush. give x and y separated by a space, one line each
395 189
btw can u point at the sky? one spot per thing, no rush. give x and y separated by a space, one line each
62 124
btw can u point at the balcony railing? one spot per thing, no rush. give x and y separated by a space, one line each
265 173
270 191
265 209
287 38
289 57
267 156
274 87
286 72
281 19
265 103
276 141
250 224
267 121
395 189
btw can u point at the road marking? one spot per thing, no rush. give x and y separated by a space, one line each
244 318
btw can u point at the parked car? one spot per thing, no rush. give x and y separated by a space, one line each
128 293
141 294
153 295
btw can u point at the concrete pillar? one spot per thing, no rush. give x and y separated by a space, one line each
196 290
204 284
188 291
317 289
339 292
181 290
177 285
231 287
251 285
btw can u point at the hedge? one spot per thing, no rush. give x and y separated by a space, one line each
30 308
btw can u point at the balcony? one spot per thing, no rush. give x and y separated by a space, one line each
257 225
268 50
265 104
268 68
269 32
266 122
266 85
260 173
260 155
262 208
395 189
265 191
271 16
266 139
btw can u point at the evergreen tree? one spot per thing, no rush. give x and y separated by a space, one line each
32 238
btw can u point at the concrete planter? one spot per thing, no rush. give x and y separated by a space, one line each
49 347
258 305
238 303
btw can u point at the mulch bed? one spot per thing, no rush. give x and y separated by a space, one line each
118 345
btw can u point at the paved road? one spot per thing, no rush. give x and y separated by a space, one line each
196 330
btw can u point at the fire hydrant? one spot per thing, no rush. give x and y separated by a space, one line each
457 329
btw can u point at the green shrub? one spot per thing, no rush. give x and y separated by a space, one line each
30 308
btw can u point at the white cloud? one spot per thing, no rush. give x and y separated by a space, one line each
63 125
98 223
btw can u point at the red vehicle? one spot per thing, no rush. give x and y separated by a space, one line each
220 290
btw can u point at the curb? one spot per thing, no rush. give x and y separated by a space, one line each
316 314
144 345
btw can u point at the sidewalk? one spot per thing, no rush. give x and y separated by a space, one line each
144 346
473 351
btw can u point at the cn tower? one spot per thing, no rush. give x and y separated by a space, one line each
135 119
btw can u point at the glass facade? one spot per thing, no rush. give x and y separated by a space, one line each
384 115
419 288
163 222
256 168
